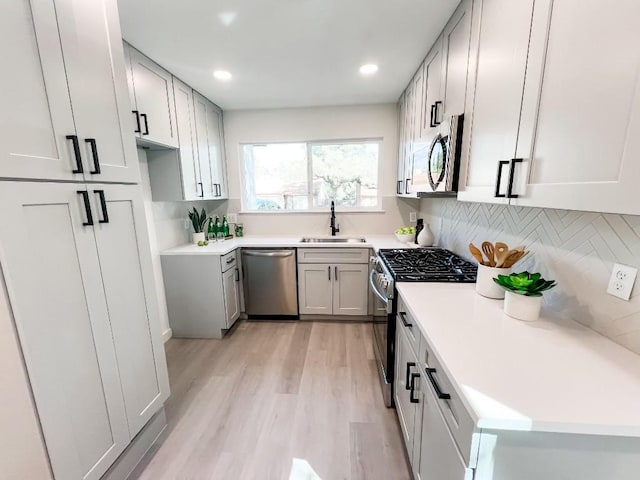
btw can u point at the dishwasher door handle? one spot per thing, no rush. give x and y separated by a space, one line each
258 253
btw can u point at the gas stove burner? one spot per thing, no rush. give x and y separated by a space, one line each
427 265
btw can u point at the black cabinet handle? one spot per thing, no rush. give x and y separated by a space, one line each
434 384
103 206
406 186
432 121
437 106
412 390
137 114
407 380
399 187
76 153
218 189
87 207
403 318
335 272
237 275
201 190
146 124
94 154
512 168
497 193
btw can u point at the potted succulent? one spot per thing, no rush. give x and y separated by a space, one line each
199 221
523 297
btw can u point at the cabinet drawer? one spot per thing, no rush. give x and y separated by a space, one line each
406 323
333 255
455 414
228 261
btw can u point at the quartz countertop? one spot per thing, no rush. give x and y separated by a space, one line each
551 375
374 242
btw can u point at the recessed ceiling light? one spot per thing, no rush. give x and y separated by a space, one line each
222 75
368 69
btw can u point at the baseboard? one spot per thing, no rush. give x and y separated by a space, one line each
337 318
166 335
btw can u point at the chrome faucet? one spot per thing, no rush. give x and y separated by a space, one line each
334 229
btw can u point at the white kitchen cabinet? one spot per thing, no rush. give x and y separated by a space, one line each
125 262
315 289
63 321
209 140
203 293
579 135
431 106
401 144
65 101
152 104
407 137
497 64
350 289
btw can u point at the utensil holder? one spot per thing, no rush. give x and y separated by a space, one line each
522 307
485 285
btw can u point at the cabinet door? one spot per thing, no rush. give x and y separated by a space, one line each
432 105
580 130
200 106
401 144
315 292
500 40
408 140
350 289
188 157
36 108
216 151
53 277
127 273
153 89
406 365
230 283
94 61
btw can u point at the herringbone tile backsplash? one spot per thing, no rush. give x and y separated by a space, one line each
578 249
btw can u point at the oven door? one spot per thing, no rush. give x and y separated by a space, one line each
382 348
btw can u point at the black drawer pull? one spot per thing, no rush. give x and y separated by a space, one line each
94 154
436 387
437 106
407 380
146 124
497 193
76 153
403 318
237 275
103 206
413 388
137 114
201 190
87 207
512 167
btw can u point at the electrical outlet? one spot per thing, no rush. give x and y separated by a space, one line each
187 224
232 217
621 281
413 216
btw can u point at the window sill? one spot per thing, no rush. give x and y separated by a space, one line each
304 212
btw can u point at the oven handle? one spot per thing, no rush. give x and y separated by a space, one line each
382 298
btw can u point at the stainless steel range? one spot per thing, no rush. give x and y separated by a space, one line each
406 265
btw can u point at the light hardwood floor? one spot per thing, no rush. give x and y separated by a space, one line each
246 406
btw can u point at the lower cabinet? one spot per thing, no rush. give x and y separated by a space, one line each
203 293
78 271
333 289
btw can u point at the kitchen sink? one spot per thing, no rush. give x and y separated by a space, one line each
333 240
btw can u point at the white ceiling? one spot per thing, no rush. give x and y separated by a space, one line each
287 53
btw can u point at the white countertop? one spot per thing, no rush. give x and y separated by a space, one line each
551 375
375 242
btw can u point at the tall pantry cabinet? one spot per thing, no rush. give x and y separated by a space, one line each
73 244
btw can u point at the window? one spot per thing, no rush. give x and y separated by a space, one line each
309 175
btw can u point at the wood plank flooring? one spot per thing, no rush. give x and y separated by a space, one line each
277 400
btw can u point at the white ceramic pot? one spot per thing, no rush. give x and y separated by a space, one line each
522 307
425 237
485 285
197 237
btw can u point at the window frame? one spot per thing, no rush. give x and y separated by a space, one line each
309 145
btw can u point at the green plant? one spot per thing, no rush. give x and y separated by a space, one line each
198 220
525 283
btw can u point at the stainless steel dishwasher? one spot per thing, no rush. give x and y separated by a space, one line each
270 282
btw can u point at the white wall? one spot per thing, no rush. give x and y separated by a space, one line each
325 123
22 452
578 249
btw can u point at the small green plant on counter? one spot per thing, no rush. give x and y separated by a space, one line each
525 283
198 220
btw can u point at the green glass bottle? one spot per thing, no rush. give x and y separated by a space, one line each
218 225
211 230
225 226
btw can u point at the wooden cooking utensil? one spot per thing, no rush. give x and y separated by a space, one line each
514 257
488 250
477 254
501 252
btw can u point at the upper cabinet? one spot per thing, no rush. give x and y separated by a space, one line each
152 103
66 94
555 109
